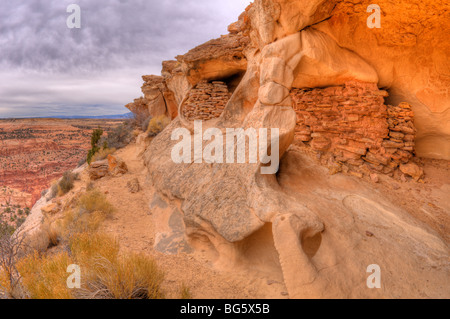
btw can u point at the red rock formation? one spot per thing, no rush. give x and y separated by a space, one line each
206 101
353 124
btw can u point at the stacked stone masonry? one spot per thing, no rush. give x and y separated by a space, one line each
354 128
206 101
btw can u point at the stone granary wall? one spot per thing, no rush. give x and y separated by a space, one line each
354 127
206 101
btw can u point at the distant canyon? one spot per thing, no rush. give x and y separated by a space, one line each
36 152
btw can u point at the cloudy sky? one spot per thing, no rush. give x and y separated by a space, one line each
47 69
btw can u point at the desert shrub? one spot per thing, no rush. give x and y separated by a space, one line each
89 246
120 136
13 218
51 232
54 190
63 186
106 273
139 118
157 125
81 162
5 228
41 240
77 221
102 154
45 277
185 292
130 276
66 183
95 201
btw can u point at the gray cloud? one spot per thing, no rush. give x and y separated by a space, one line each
48 68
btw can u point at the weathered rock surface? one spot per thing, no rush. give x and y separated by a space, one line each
216 59
158 99
410 55
98 169
134 186
111 166
116 166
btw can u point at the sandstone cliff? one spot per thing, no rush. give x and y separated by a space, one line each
362 101
357 109
407 56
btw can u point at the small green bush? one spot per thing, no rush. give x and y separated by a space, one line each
95 138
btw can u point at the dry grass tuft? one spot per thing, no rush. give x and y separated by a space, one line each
157 125
102 154
64 185
88 247
105 274
95 201
132 276
45 277
185 292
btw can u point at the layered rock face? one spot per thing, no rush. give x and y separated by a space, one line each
353 125
408 56
206 101
219 59
293 65
158 99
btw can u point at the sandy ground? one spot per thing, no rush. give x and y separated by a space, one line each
133 225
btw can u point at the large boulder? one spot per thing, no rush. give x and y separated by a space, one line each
116 166
98 169
111 166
